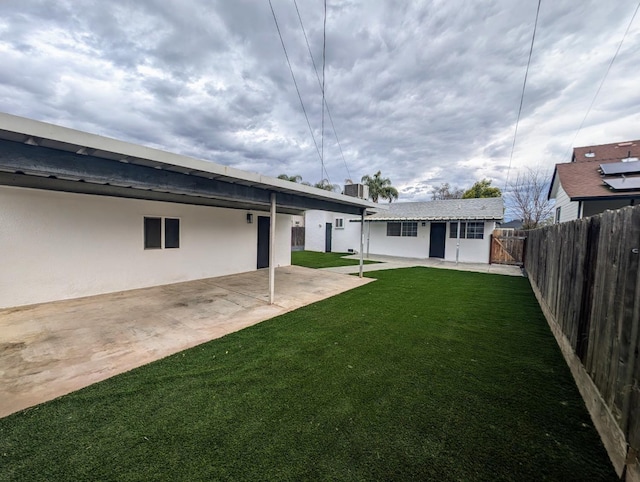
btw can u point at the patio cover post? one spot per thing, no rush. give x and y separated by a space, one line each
272 250
361 241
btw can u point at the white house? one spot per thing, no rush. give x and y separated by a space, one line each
413 230
598 178
82 214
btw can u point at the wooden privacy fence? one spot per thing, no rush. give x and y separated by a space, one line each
507 246
585 275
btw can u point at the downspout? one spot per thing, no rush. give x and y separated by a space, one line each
458 243
272 250
362 241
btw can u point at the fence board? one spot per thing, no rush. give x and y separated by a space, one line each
587 279
507 247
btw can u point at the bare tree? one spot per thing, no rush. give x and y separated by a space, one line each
529 198
445 191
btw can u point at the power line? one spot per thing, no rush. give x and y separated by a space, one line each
324 50
326 103
603 79
524 85
294 82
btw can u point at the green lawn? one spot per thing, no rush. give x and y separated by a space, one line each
425 374
313 259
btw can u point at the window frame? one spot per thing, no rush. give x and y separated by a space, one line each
151 231
402 229
161 232
409 229
475 230
339 223
468 229
175 237
392 233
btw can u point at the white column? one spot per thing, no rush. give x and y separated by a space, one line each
361 241
272 250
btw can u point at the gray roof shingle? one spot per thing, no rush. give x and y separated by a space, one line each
449 209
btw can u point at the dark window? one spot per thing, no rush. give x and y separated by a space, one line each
453 230
475 230
402 229
152 233
394 229
410 229
469 230
171 233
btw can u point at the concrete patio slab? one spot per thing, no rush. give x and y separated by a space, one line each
51 349
393 262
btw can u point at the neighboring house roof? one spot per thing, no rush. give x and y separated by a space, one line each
443 210
606 152
515 224
583 179
45 156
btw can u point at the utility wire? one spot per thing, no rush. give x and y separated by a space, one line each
324 50
326 103
524 85
294 81
602 82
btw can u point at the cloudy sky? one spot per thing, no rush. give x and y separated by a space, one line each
427 92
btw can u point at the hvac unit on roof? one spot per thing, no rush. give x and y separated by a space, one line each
356 190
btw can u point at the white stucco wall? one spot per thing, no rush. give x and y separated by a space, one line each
346 238
408 247
314 229
471 250
59 245
342 239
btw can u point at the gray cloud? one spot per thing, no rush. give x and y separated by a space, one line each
427 92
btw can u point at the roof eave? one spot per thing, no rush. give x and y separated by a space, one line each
35 133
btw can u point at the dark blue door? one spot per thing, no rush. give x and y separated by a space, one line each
263 241
327 238
437 239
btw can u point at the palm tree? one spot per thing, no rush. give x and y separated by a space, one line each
326 185
285 177
380 187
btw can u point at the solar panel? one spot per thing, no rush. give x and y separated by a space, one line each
623 183
620 167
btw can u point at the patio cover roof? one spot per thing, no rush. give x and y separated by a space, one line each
39 155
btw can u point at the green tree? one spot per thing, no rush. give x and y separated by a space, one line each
286 177
297 178
380 187
326 185
482 189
